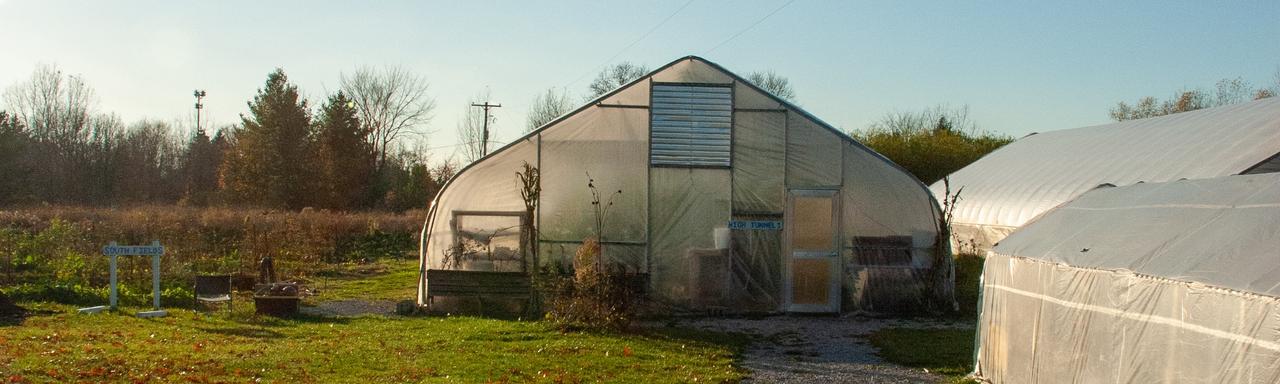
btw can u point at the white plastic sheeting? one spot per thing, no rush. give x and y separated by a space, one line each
875 279
664 221
488 185
687 205
1010 186
611 146
1156 282
759 159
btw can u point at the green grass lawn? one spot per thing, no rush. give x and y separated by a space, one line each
947 352
393 280
58 345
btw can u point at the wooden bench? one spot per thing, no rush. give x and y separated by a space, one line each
477 284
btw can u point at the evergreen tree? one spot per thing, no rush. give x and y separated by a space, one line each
345 157
15 170
268 164
200 168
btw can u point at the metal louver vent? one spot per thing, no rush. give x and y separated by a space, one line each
689 125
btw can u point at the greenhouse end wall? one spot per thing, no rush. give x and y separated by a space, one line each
664 221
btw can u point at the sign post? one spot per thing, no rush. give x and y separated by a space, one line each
112 251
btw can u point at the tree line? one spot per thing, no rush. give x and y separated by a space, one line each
347 154
1225 92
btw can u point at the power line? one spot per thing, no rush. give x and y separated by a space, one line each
633 43
748 28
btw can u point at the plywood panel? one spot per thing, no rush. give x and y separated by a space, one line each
811 282
813 229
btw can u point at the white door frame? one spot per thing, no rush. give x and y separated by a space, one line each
832 255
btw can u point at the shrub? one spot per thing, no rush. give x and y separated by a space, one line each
968 279
932 143
375 244
75 294
596 297
61 246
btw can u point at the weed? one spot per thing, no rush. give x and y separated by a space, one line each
599 295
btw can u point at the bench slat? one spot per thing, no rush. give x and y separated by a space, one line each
477 283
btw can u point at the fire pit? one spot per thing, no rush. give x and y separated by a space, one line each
278 299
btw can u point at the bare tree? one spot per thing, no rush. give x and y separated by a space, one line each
1186 101
471 129
774 83
938 117
1269 91
546 107
613 77
58 112
1231 91
56 108
1227 91
1183 101
391 102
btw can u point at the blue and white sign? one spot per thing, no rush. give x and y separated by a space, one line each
155 249
113 251
754 225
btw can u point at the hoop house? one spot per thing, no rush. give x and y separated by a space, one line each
729 197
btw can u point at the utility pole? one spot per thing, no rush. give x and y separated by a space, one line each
484 145
199 94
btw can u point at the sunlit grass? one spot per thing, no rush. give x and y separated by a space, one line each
393 280
61 346
947 351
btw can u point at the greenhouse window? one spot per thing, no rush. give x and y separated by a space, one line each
488 241
689 125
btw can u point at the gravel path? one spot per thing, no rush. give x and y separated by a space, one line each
791 349
352 307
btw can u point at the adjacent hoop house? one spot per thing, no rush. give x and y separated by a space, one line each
1019 181
1149 283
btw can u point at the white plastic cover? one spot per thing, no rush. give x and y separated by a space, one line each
610 145
759 161
812 152
1155 282
687 205
1008 187
489 185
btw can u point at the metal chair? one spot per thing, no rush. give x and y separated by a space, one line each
213 289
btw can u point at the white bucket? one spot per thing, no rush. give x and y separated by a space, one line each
722 238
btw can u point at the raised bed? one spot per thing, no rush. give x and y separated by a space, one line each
279 306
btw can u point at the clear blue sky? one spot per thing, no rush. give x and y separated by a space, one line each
1020 66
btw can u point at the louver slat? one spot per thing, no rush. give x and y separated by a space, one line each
690 125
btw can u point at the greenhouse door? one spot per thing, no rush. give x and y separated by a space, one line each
812 261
